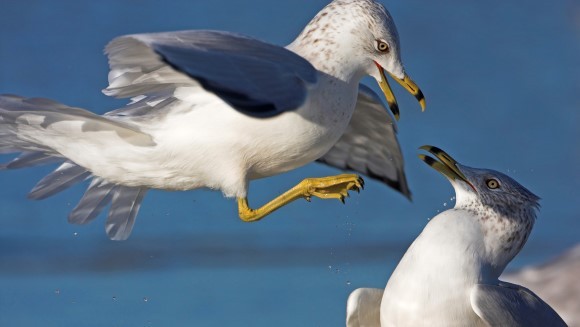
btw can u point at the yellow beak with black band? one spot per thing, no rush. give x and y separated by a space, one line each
446 166
407 83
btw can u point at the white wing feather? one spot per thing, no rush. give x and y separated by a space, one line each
363 308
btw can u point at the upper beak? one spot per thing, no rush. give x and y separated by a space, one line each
407 83
446 166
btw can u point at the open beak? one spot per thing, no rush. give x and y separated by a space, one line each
446 165
407 83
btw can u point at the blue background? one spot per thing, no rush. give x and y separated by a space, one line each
502 83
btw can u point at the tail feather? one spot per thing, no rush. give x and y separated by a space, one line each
124 208
26 126
30 159
125 201
62 178
96 198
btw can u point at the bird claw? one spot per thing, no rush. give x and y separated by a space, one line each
335 187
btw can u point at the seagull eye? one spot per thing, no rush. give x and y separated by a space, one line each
382 46
492 183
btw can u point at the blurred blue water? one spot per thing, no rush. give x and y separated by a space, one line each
502 81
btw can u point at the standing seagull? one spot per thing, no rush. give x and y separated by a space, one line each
216 109
449 275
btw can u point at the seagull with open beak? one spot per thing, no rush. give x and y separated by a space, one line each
213 109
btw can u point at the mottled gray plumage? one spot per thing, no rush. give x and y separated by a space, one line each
506 214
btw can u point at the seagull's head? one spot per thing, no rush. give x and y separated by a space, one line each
505 209
380 43
353 38
491 188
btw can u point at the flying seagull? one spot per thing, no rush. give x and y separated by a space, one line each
212 109
449 275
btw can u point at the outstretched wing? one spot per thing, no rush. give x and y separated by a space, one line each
363 308
512 305
254 77
369 145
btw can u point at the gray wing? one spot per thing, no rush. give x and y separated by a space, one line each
508 304
254 77
369 145
363 308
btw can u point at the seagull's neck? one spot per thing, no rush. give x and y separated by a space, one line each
503 235
468 244
437 269
329 43
452 245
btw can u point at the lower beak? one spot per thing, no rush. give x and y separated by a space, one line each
407 83
446 164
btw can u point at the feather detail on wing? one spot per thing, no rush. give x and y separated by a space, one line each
509 304
125 205
63 177
369 145
254 77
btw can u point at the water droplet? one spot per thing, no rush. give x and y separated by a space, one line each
348 282
145 299
114 298
57 291
445 204
75 234
329 267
